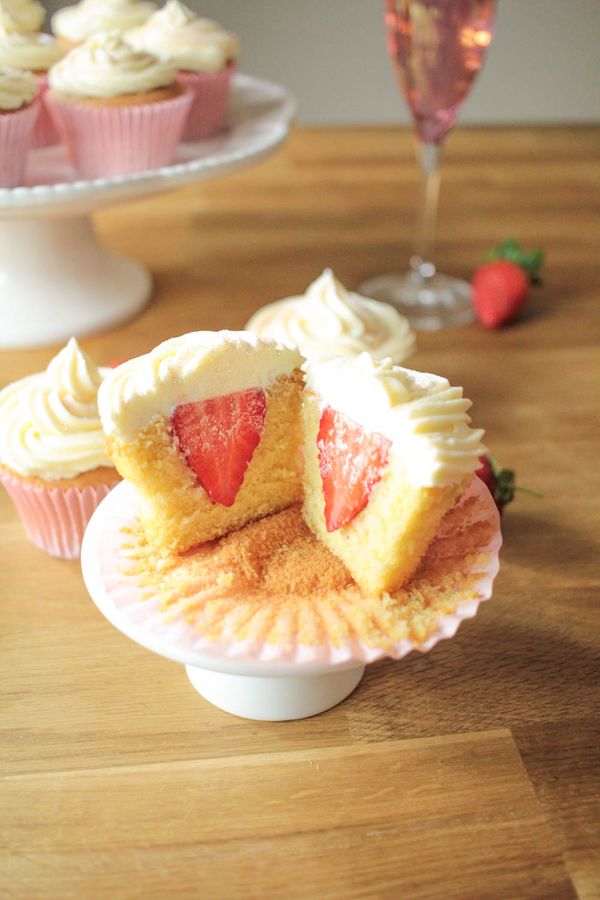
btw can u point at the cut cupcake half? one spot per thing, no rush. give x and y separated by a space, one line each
387 452
207 428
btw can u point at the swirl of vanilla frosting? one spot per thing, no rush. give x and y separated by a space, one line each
195 366
17 88
423 415
105 66
76 23
331 321
26 50
49 422
190 42
22 15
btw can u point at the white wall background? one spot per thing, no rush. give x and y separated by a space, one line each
543 65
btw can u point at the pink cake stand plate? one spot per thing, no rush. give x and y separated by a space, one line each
259 681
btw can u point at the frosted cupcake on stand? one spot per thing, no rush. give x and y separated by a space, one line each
52 457
35 52
19 108
330 321
119 111
75 24
29 14
203 52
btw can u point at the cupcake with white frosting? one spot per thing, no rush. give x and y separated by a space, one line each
75 24
330 321
120 111
19 108
53 461
204 54
28 15
32 51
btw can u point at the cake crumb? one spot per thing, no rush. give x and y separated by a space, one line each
274 581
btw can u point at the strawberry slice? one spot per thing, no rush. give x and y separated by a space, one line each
351 461
218 437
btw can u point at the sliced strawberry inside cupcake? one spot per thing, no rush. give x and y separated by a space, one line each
218 438
207 427
387 452
351 461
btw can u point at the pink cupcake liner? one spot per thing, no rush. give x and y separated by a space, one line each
138 615
120 140
44 133
209 107
16 132
54 518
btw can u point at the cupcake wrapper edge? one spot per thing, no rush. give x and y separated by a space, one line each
54 518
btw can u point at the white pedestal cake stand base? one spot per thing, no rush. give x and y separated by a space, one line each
251 681
274 699
56 278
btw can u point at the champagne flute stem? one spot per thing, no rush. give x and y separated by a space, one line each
429 157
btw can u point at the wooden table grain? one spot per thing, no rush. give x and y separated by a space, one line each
468 772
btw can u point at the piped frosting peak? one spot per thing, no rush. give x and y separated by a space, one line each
329 321
49 422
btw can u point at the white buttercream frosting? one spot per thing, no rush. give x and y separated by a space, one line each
105 66
423 415
22 15
76 23
49 422
26 50
189 41
330 321
17 88
193 367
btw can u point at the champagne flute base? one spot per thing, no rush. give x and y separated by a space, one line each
430 304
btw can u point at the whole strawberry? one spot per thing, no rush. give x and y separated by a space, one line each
500 287
500 290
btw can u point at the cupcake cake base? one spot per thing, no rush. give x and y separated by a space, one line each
297 649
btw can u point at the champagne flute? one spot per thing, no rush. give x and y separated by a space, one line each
438 48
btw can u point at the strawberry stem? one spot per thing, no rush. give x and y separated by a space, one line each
506 487
530 491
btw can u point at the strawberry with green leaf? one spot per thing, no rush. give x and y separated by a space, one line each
500 287
528 260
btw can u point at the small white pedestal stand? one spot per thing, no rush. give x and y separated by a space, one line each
56 279
242 679
271 698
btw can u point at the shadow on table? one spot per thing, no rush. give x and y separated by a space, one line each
527 657
548 545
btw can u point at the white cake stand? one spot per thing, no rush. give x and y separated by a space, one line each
56 279
240 678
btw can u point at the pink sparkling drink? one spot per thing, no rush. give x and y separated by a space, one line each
438 47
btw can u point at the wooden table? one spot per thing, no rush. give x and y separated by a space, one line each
468 772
